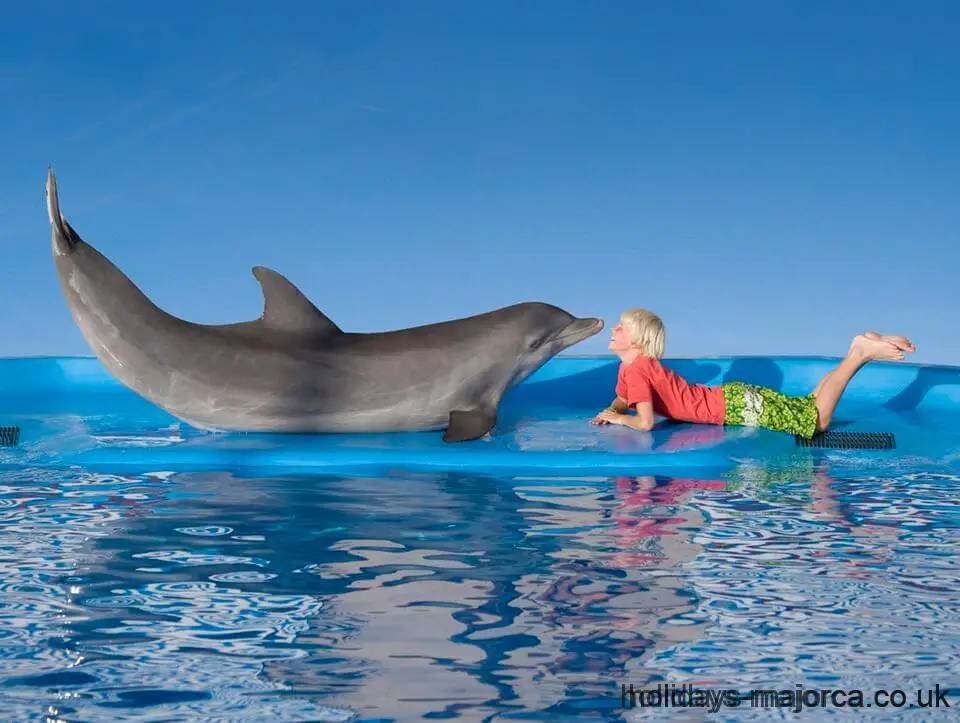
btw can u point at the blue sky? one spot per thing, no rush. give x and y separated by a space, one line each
768 177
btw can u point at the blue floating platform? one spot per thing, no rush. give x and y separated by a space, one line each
72 413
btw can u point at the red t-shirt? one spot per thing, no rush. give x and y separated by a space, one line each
647 380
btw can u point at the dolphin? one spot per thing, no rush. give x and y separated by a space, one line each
293 370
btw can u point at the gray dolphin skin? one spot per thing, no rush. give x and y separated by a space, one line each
293 370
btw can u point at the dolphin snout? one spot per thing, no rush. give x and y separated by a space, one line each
578 330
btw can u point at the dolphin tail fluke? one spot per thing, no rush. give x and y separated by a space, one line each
65 239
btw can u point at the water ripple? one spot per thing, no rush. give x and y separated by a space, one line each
169 596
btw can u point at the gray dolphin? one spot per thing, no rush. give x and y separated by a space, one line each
293 369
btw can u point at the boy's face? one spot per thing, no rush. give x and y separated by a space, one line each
620 338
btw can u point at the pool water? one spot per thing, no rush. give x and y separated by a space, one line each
216 596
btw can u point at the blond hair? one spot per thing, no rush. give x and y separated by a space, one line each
646 331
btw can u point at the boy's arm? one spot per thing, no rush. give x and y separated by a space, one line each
643 420
618 405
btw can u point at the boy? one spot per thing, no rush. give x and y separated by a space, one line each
649 387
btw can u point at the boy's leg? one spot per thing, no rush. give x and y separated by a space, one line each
823 381
863 349
900 342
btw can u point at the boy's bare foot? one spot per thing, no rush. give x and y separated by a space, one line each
873 348
901 342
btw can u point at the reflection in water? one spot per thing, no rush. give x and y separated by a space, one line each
217 597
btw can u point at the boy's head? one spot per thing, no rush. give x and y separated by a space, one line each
639 329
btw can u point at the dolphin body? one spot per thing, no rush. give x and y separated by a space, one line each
293 369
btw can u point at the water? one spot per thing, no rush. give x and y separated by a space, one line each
215 597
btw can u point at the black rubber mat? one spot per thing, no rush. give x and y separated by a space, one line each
9 436
849 440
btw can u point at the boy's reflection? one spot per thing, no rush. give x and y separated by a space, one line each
640 530
829 504
620 593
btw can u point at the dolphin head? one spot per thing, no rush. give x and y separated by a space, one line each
543 331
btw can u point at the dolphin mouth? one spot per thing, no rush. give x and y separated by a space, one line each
577 331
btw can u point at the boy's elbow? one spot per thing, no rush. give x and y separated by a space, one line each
642 424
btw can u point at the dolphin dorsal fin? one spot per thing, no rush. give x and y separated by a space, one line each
285 308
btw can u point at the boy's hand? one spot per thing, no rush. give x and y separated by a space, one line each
608 416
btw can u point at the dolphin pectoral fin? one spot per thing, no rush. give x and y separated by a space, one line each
472 424
285 308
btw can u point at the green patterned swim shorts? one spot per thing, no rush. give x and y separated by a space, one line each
753 406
